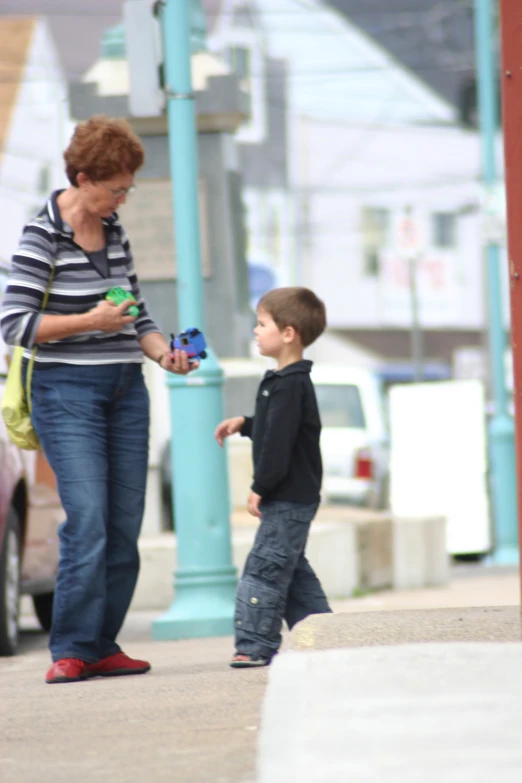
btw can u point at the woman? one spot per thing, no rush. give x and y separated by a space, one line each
90 407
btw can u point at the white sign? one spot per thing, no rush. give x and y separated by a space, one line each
436 287
439 459
408 238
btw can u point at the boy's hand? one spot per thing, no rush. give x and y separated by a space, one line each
253 504
228 427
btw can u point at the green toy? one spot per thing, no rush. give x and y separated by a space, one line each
119 295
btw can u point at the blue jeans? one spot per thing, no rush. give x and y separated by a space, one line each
93 424
278 582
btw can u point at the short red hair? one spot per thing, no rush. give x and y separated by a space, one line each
102 148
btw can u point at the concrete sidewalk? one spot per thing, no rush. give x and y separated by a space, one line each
191 720
436 713
420 699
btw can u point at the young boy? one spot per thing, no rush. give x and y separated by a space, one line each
278 582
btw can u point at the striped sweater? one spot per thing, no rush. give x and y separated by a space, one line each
76 288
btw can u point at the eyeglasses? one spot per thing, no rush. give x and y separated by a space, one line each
121 191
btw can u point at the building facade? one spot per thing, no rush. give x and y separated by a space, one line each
372 152
34 124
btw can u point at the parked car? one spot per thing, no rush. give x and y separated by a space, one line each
167 500
354 438
30 513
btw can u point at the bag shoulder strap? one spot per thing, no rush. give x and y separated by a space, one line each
42 310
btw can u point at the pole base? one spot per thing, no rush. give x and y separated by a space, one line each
506 555
198 612
173 625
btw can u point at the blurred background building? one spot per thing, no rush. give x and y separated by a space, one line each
359 114
338 149
363 114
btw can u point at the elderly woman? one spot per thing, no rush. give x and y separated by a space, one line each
90 407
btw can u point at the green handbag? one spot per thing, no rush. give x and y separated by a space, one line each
16 401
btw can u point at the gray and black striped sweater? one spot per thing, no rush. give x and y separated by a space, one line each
76 288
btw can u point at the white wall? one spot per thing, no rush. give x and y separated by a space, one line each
38 134
342 168
364 131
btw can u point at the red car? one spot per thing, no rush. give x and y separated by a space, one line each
30 513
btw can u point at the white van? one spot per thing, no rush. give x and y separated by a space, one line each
354 439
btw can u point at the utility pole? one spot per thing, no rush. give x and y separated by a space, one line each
501 428
205 578
416 333
410 250
511 34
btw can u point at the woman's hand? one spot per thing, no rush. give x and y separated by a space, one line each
228 427
177 363
110 317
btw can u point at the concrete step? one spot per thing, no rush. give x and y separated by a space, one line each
351 550
406 626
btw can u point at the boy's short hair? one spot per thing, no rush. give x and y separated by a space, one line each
297 307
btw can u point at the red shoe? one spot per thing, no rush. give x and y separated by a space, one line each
67 670
117 665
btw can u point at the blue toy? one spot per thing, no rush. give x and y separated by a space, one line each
192 341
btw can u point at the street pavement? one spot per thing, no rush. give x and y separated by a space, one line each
192 719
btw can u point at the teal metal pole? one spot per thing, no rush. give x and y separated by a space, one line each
501 433
205 579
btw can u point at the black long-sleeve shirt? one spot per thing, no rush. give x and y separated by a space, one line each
285 432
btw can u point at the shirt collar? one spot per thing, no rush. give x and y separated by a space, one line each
305 366
53 213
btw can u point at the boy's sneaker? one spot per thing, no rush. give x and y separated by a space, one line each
242 661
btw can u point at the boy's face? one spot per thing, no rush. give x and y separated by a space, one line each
269 339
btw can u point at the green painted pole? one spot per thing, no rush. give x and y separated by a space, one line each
503 486
205 579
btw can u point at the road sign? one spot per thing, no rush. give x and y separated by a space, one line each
409 238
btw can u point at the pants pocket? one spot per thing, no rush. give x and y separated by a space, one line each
266 563
256 608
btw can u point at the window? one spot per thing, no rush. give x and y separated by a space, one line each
240 60
340 405
44 180
444 230
247 60
375 226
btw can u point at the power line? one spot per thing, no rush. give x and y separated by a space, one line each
315 9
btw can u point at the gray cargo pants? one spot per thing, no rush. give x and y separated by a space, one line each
278 582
